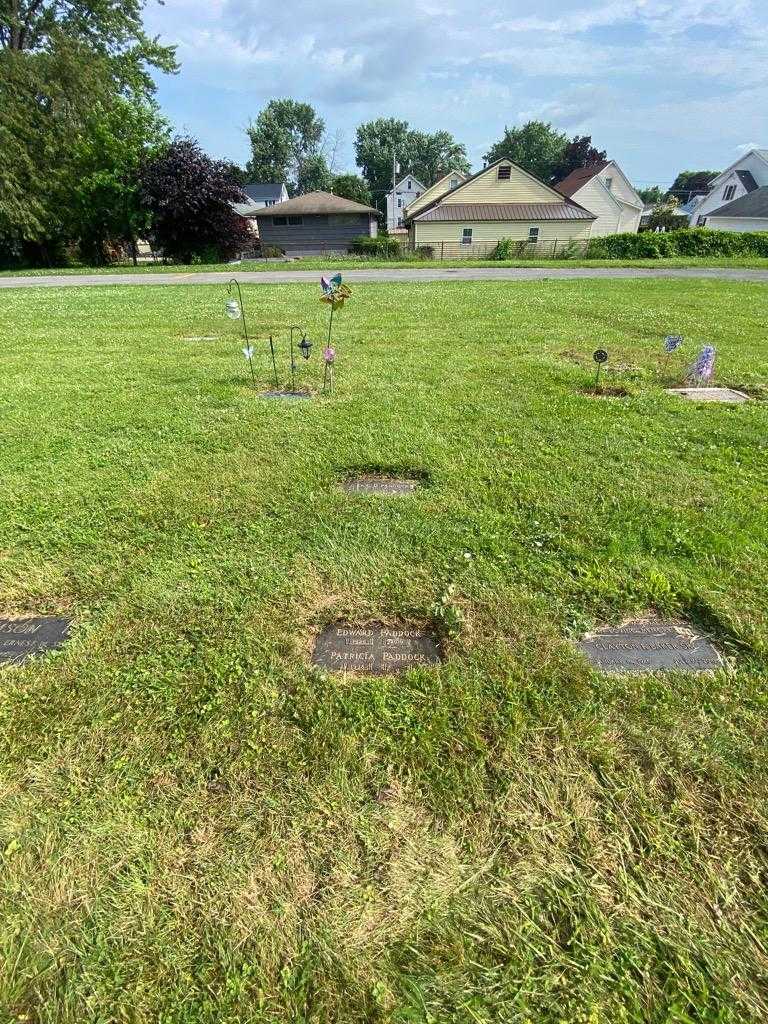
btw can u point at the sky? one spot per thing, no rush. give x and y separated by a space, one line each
662 86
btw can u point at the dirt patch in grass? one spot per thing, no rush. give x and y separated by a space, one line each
605 391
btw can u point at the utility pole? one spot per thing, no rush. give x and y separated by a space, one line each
394 189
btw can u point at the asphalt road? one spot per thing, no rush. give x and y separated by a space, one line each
408 275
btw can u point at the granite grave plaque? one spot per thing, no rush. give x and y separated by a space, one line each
374 649
709 394
21 639
372 484
650 645
285 394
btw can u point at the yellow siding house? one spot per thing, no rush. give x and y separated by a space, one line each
501 201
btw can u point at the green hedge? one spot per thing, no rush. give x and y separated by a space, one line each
688 242
382 245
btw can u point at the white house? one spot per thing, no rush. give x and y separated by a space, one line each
404 193
745 176
605 191
747 213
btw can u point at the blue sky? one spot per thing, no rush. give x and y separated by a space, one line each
663 86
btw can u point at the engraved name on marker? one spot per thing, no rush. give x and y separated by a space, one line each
21 639
650 646
376 649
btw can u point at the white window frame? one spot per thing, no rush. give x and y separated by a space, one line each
609 183
729 192
466 236
533 234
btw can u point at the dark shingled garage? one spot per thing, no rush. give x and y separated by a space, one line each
317 222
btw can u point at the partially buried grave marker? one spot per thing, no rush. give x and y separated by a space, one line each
650 645
21 639
372 484
710 394
374 648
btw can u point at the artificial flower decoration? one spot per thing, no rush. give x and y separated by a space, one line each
672 343
329 354
704 367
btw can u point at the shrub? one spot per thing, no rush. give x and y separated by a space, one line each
382 245
509 249
271 252
686 242
425 252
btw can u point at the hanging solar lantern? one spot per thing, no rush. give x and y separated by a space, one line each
233 309
306 346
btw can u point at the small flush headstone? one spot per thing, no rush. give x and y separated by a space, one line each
373 484
21 639
650 645
710 394
285 394
374 649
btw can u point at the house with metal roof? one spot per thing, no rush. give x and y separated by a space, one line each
745 176
502 201
315 223
747 213
604 189
446 184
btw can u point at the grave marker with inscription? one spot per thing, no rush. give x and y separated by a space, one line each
374 649
21 639
650 645
710 394
371 484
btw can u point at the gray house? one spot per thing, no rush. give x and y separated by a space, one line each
315 223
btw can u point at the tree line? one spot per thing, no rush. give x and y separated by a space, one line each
90 165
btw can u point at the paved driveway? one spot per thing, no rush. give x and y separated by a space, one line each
417 274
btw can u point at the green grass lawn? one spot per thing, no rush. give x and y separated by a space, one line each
365 263
197 826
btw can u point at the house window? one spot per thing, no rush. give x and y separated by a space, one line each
399 222
533 235
269 202
466 236
399 204
701 220
410 186
729 192
295 222
504 173
609 183
279 222
454 182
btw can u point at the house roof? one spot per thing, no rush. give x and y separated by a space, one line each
468 212
747 180
577 179
413 180
260 192
761 153
439 201
314 202
753 204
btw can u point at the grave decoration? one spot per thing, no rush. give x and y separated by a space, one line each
672 343
21 639
600 356
375 648
236 311
335 294
702 370
329 357
650 645
305 347
372 483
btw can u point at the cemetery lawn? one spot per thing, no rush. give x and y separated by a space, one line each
196 826
366 263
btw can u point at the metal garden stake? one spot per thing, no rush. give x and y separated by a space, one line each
236 311
600 356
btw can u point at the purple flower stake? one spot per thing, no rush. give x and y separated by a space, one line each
672 343
329 355
704 367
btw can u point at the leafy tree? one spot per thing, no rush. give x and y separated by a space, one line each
651 196
665 216
537 147
577 154
189 197
689 183
102 198
352 186
427 156
313 175
284 136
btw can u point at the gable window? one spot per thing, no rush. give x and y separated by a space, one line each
410 186
504 173
279 222
729 192
466 236
609 183
295 222
533 235
454 182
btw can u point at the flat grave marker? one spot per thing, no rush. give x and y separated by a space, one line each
370 483
710 394
22 639
285 394
375 649
650 645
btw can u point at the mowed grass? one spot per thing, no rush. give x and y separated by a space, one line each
331 263
197 826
